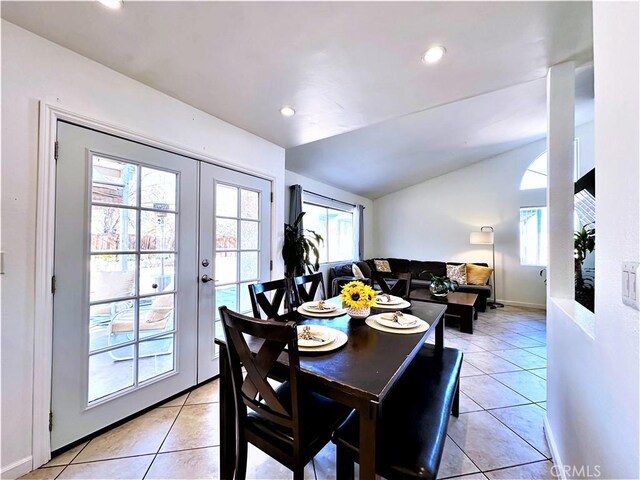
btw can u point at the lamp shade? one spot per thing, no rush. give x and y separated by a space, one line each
481 238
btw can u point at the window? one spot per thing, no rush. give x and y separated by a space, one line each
533 236
536 174
335 225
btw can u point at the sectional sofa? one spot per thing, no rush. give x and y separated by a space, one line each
421 272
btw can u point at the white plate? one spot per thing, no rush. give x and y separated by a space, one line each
340 339
325 333
421 326
313 307
385 306
393 300
391 324
309 313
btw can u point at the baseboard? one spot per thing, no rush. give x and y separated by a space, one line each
523 304
555 455
17 469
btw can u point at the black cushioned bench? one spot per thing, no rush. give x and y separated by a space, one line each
413 422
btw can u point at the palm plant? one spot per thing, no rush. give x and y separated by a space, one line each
584 241
300 249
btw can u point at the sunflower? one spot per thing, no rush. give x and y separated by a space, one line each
358 295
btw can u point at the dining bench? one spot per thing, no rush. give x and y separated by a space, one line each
413 419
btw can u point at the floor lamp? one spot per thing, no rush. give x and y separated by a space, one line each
485 237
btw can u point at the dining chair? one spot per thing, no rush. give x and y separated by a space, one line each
398 284
306 287
288 423
279 306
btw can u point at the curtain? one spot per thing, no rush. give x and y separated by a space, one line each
295 204
360 232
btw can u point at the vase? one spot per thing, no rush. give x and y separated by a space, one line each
359 313
439 291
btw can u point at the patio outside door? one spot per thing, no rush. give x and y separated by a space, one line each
134 312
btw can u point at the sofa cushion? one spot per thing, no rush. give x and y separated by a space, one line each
382 265
457 273
424 270
399 265
365 268
477 275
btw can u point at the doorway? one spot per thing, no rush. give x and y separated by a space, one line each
148 245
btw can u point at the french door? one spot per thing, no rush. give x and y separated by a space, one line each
145 253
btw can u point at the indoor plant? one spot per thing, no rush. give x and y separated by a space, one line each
358 298
441 286
298 247
584 242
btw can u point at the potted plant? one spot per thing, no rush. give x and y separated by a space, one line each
441 286
358 298
584 242
298 248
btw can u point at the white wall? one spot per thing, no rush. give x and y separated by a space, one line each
593 367
34 69
292 178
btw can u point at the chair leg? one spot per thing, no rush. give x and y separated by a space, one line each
344 464
455 408
241 470
298 472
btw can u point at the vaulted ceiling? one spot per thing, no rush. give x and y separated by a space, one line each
352 71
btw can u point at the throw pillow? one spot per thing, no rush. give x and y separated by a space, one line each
357 272
457 273
382 266
477 275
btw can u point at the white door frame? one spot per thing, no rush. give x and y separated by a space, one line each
45 224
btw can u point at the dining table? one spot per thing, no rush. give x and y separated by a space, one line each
359 374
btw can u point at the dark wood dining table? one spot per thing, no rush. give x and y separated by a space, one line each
359 375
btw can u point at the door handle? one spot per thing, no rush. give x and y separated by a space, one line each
206 278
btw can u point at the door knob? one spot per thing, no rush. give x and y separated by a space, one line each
206 278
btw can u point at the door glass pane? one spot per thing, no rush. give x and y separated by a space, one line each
156 315
110 372
112 276
226 234
111 324
249 235
158 189
158 230
245 301
226 267
156 357
226 201
114 182
227 296
249 204
157 273
249 266
113 229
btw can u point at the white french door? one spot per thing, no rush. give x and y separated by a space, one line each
139 231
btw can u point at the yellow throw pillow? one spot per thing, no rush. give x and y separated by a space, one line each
477 275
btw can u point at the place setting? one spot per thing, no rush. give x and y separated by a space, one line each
397 322
319 339
321 309
390 302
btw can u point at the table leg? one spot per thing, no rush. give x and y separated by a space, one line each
466 320
227 419
368 425
440 333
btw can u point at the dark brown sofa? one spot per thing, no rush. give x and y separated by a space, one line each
421 272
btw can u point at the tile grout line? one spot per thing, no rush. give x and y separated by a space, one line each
165 438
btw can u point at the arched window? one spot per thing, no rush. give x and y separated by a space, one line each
536 174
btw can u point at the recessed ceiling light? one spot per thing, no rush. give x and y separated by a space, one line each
433 55
114 4
287 111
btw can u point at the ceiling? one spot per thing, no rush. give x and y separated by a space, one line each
352 71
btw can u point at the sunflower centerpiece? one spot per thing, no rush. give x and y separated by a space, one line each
358 298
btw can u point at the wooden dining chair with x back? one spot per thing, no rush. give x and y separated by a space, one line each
279 306
288 423
307 288
397 284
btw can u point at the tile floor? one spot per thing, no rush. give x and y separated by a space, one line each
499 433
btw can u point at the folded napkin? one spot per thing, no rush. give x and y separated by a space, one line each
399 317
383 298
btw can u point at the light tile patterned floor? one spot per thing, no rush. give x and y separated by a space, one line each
499 433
